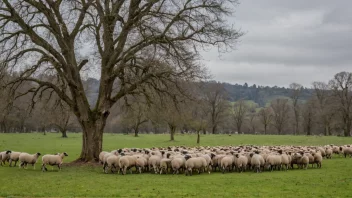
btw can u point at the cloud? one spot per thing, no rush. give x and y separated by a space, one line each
287 41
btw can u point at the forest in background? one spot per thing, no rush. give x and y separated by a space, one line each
215 107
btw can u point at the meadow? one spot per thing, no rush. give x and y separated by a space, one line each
334 179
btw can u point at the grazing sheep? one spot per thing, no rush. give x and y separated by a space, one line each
14 156
198 163
26 159
53 160
4 156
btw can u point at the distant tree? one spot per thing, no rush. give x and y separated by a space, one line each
280 114
136 114
215 99
341 87
266 117
308 116
326 105
296 90
240 110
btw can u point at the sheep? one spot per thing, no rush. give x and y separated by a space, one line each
141 163
127 162
26 159
53 160
14 156
227 163
101 157
317 159
256 162
194 163
302 160
241 162
154 162
4 156
346 151
273 161
113 161
165 164
177 163
322 151
328 153
285 160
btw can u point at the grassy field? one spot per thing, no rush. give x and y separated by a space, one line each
333 180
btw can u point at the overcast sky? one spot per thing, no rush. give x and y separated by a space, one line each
287 41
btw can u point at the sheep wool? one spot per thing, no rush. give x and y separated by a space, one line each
26 159
53 160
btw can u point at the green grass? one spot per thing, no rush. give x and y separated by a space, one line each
333 180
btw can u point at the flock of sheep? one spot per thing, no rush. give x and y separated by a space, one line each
200 159
221 158
24 159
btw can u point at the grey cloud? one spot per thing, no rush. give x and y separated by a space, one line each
287 41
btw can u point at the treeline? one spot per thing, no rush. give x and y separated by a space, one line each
204 108
261 94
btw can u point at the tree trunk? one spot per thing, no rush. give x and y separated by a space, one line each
172 134
64 133
347 128
198 136
214 129
136 130
204 131
92 138
265 127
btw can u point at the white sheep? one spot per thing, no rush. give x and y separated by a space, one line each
53 160
198 163
26 159
4 156
14 156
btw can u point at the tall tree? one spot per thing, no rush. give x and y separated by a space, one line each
239 114
266 117
341 86
215 96
296 90
136 115
134 44
280 114
308 116
326 109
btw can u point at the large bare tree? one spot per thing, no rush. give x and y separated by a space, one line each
341 86
296 90
280 109
133 45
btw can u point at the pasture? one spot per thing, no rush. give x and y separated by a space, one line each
333 180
